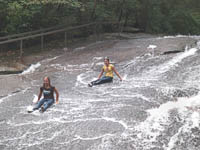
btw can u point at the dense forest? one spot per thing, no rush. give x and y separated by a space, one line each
152 16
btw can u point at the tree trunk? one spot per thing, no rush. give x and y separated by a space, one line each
126 18
94 10
120 16
121 10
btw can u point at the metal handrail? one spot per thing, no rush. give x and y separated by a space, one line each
43 32
46 33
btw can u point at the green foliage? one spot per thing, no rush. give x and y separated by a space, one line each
17 17
183 23
154 16
169 16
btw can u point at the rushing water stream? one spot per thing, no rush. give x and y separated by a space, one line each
155 107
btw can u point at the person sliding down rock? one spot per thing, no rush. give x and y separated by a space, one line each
108 69
48 92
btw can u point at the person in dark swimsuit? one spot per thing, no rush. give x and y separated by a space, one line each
48 92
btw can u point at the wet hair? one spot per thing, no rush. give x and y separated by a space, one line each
48 80
107 58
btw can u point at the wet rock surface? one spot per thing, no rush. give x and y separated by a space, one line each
164 46
138 113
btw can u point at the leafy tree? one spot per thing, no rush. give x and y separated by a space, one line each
163 16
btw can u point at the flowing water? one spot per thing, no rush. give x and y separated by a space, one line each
155 107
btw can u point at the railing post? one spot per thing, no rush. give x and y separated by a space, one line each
65 38
119 29
95 31
42 42
21 49
72 36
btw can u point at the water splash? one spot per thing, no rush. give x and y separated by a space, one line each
31 69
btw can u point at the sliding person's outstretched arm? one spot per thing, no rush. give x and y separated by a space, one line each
57 95
117 73
40 95
100 75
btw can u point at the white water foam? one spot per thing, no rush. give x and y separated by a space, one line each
79 48
179 36
50 59
190 123
97 58
151 47
100 63
198 44
92 138
10 95
58 66
2 99
177 59
158 119
31 69
116 121
84 65
35 99
72 66
81 79
133 96
155 72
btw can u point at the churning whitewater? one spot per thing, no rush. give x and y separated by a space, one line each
155 107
